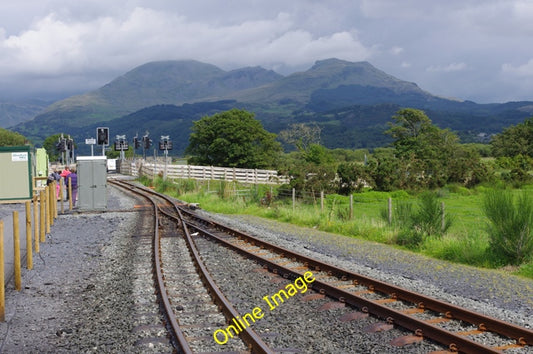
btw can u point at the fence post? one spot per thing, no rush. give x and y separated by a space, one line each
443 217
46 203
351 206
321 201
29 251
61 187
293 199
16 250
42 221
36 223
51 197
390 211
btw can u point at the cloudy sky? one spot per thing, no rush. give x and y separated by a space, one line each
481 50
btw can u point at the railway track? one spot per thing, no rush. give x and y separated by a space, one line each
457 329
193 310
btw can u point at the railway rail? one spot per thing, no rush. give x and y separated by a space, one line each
162 205
455 328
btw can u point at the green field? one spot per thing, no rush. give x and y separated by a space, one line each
466 241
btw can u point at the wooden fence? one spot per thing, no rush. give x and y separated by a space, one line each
150 169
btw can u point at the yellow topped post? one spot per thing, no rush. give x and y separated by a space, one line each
42 202
51 198
36 224
46 204
16 250
29 252
61 186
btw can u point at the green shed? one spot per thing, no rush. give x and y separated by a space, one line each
15 173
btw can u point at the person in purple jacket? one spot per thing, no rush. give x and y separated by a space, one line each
73 177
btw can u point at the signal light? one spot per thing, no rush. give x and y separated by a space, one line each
102 134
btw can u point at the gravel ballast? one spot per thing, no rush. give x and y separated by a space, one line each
80 295
491 292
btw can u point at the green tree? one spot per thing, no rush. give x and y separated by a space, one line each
515 140
232 139
49 144
10 138
352 177
426 152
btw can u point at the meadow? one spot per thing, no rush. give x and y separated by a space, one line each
466 241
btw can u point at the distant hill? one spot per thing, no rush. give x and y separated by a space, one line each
352 102
15 112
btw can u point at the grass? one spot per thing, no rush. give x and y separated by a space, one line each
466 241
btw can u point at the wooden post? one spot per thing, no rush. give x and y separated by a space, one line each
16 250
443 217
51 197
293 199
42 221
29 251
54 198
2 289
46 203
61 187
351 206
36 224
390 211
321 201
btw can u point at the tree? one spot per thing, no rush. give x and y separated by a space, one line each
232 139
49 144
301 135
515 140
425 150
9 138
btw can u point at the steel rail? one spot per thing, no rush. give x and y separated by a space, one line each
248 335
522 335
174 325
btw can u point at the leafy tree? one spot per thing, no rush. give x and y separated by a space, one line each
515 140
352 177
49 145
232 139
9 138
426 152
318 154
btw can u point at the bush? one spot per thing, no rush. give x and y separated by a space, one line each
416 225
409 238
428 219
402 214
510 226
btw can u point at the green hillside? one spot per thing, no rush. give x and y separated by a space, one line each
352 102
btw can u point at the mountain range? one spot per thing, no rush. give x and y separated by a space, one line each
351 101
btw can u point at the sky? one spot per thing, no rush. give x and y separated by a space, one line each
479 50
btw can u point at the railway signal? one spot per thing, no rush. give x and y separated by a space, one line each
147 142
121 144
136 142
165 144
102 137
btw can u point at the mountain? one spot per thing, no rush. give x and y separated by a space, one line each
164 82
14 112
329 74
352 102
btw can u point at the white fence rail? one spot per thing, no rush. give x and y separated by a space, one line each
150 169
